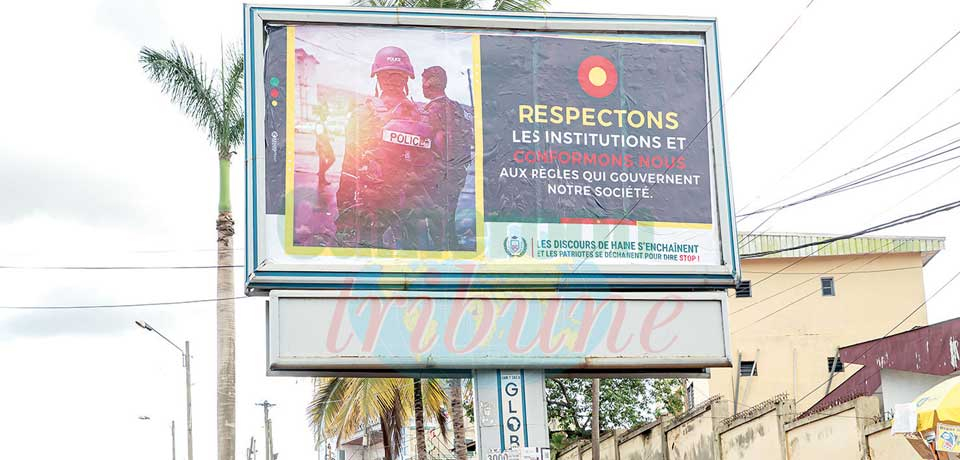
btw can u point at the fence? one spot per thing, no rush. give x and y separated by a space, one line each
767 431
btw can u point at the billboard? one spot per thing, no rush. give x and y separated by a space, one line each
560 151
356 331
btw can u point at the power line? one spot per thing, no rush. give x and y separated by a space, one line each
743 243
915 123
869 107
714 115
899 221
747 307
917 141
915 192
865 181
772 47
831 272
904 320
123 305
771 275
117 267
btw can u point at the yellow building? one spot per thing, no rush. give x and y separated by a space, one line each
795 308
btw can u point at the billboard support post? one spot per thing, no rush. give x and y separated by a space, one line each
511 414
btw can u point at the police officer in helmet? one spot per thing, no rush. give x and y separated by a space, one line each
387 164
454 134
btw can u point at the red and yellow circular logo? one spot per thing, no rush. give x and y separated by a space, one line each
597 76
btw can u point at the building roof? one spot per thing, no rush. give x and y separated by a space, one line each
933 350
762 242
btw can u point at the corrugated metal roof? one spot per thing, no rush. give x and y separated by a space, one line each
756 243
931 350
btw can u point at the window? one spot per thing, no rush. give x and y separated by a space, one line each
826 286
834 365
748 368
744 289
690 398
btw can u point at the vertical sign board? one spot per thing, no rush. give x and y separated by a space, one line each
470 150
513 411
511 415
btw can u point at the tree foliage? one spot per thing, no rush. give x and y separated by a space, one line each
341 406
213 99
624 403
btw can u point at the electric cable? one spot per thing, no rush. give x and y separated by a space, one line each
917 141
899 221
116 267
123 305
870 179
868 108
719 110
782 291
904 320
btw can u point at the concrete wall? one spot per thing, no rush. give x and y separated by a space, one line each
763 432
882 445
570 453
836 433
691 437
608 446
758 438
902 387
865 306
645 443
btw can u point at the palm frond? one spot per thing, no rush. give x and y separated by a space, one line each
437 403
521 5
232 125
184 78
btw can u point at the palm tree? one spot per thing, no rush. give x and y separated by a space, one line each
214 100
456 409
459 437
341 406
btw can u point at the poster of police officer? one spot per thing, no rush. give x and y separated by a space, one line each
493 146
383 139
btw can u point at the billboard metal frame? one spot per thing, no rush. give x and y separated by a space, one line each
595 366
262 275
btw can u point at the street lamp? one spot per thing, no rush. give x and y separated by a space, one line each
185 352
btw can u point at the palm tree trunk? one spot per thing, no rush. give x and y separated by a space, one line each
226 335
456 405
386 430
418 417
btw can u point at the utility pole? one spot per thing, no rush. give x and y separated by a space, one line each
267 432
173 439
186 364
252 450
185 353
595 425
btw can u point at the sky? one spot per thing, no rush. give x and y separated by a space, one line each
97 167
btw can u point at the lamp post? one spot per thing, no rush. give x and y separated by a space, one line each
185 352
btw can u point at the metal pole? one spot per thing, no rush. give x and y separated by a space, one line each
173 439
833 366
736 386
186 360
267 432
595 425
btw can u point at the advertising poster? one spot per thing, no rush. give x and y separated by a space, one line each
471 150
948 438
